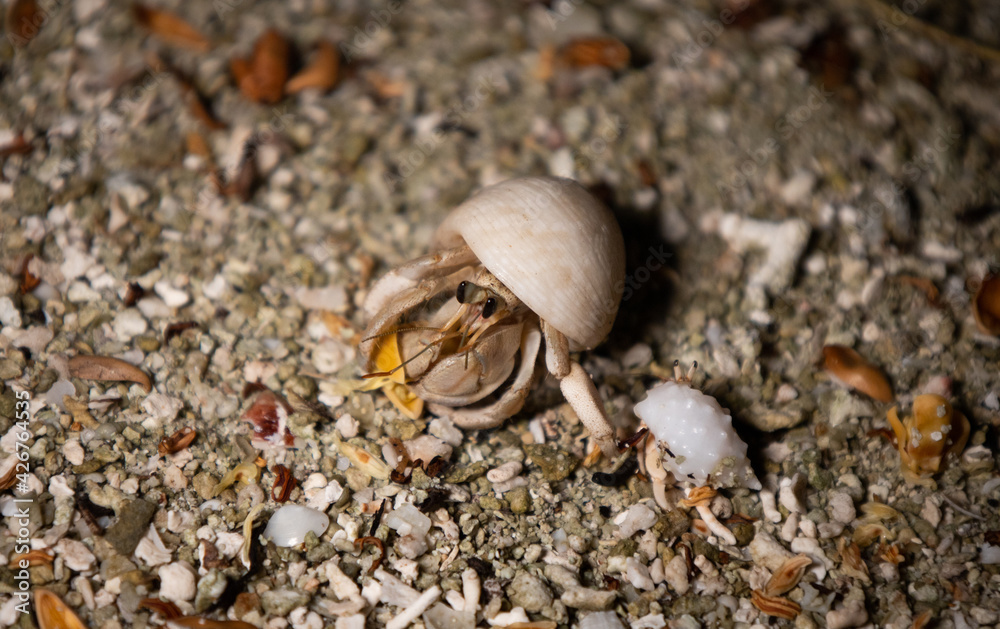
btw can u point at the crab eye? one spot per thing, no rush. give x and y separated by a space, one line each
460 292
490 307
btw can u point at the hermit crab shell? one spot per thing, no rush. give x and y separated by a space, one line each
553 245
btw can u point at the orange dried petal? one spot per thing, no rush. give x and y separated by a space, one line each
776 606
606 52
170 28
849 367
986 305
108 368
321 74
53 613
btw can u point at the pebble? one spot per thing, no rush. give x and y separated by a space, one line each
173 297
9 314
555 464
578 597
128 324
177 582
129 529
638 517
601 620
530 592
840 506
151 550
75 555
290 524
282 601
74 452
851 614
504 472
638 574
790 493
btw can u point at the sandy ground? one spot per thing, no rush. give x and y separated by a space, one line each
787 176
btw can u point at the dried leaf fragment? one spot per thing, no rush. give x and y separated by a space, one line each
245 473
284 483
53 613
606 52
108 368
321 74
262 77
986 305
177 441
850 368
787 575
170 28
776 606
699 497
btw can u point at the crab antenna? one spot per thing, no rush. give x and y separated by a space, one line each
402 328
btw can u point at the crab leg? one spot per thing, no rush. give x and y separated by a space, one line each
700 498
578 389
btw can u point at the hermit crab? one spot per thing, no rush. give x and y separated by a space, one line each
692 442
927 436
461 328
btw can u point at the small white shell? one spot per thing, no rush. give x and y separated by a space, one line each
553 245
700 435
289 525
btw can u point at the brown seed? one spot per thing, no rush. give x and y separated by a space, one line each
24 20
174 329
787 576
776 606
606 52
361 542
284 483
926 286
107 368
29 281
170 28
320 74
53 613
177 441
262 78
986 305
850 368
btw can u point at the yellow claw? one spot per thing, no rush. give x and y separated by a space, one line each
391 378
924 438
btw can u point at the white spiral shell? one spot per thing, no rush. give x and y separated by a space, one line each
699 435
553 244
